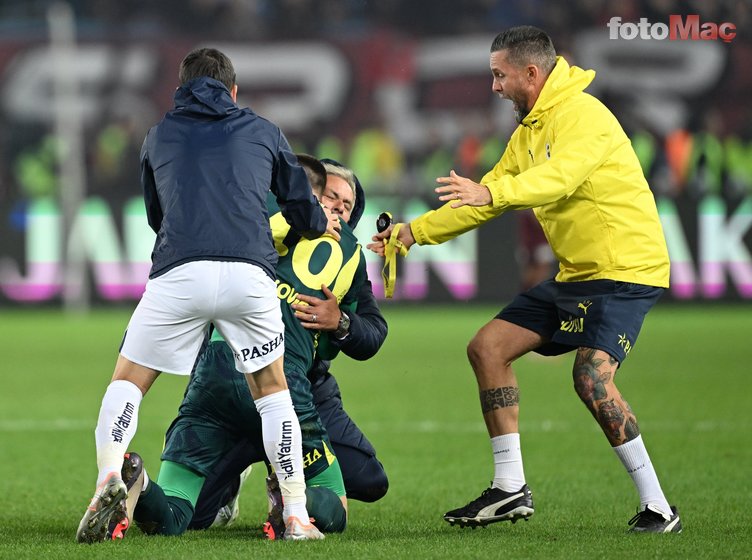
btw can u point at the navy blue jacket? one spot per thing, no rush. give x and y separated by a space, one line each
368 328
206 169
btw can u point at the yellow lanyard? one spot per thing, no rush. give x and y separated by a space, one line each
392 248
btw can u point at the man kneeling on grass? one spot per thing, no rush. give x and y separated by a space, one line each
215 420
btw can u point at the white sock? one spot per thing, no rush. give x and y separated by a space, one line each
508 472
116 426
635 459
283 446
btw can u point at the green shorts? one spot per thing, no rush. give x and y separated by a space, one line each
218 413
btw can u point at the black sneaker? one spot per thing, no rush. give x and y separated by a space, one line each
493 505
274 528
652 520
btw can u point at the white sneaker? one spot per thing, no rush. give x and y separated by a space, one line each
229 512
107 505
295 530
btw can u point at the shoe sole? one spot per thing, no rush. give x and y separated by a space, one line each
134 483
134 493
304 538
296 531
274 528
312 536
270 533
94 526
522 512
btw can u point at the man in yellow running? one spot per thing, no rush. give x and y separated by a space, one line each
571 162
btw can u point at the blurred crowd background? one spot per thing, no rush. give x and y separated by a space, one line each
398 90
265 20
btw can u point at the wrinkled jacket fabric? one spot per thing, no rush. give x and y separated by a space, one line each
368 328
573 164
206 170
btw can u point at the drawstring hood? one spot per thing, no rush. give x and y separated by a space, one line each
204 96
564 81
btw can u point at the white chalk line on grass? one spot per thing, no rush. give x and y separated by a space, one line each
48 425
554 426
25 425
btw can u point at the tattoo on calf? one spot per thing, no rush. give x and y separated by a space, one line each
631 429
499 397
592 377
588 378
611 418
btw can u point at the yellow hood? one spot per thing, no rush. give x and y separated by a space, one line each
564 82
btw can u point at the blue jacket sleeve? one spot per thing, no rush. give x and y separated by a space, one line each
294 195
368 328
151 200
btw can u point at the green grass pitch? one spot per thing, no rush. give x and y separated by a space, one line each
689 381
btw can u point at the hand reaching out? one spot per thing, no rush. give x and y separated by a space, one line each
463 191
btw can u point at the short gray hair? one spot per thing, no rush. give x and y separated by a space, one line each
527 45
343 173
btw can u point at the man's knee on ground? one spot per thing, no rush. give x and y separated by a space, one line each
371 483
326 508
157 514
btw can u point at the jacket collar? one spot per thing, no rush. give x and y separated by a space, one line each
205 96
563 82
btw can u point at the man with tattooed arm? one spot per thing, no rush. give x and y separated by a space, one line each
571 162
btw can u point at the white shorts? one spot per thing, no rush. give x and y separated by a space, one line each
171 320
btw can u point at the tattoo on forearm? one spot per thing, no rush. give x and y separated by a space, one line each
499 397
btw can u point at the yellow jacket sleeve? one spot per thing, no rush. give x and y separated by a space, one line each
445 223
579 146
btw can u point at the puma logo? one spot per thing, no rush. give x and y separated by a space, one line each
584 305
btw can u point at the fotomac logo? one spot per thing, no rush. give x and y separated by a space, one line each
678 28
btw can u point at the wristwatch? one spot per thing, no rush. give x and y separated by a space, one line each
343 328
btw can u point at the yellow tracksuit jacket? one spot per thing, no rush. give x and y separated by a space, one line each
573 164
